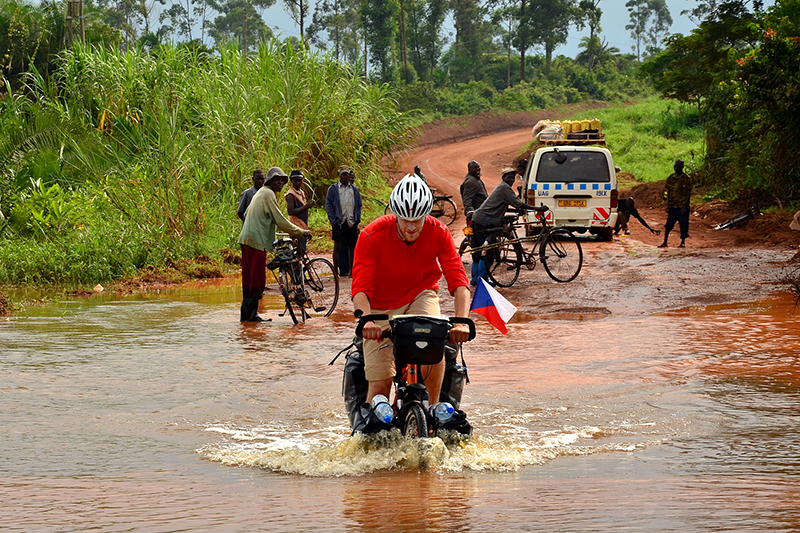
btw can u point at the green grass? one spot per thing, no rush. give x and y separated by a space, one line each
646 138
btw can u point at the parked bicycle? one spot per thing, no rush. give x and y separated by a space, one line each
416 340
734 222
556 248
310 287
443 208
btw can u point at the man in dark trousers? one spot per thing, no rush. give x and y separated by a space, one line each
679 192
343 205
626 208
490 215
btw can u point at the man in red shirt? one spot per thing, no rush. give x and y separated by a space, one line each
399 259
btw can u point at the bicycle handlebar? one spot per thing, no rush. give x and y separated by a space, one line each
363 319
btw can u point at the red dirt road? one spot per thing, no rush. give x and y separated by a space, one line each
630 276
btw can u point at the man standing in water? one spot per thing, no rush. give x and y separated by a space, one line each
247 196
258 233
679 193
399 260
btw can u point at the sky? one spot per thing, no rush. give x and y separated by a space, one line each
615 18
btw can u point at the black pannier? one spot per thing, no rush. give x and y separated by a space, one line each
284 253
420 339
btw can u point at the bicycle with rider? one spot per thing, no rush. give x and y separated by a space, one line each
399 260
490 216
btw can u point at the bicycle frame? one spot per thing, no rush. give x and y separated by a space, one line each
309 286
411 399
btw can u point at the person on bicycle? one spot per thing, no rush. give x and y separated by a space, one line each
490 216
263 215
399 260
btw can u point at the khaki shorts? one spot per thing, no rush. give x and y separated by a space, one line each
378 355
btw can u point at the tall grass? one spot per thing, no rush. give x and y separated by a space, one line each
646 138
160 145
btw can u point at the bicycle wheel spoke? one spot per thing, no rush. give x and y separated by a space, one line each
322 287
445 210
503 263
562 256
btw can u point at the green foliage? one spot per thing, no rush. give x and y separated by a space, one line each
161 144
741 68
646 138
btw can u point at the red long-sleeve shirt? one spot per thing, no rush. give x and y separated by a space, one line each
392 273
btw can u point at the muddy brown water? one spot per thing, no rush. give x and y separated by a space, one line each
162 413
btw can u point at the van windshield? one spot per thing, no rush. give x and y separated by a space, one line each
590 167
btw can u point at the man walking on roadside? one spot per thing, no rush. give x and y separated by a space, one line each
343 205
679 193
247 196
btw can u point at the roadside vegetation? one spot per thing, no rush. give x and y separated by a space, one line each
123 160
129 151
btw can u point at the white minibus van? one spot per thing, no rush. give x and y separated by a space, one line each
578 184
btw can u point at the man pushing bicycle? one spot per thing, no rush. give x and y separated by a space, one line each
399 259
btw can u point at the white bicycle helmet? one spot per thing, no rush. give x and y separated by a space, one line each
411 199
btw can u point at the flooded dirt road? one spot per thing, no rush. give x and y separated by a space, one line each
659 391
164 414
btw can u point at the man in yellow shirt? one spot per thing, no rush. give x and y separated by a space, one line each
258 233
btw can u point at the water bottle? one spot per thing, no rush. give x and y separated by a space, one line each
382 409
442 411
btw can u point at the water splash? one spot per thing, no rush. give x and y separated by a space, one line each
325 455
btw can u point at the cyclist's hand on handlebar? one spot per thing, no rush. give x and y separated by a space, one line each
459 333
371 331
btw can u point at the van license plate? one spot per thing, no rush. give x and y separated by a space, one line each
572 203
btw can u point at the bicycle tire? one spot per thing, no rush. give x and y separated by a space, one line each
289 291
415 424
322 287
445 210
561 255
505 264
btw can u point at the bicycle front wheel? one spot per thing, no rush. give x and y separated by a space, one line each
503 263
445 210
322 287
561 255
415 425
291 293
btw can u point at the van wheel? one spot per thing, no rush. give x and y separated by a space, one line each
606 234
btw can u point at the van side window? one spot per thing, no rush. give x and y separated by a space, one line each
586 167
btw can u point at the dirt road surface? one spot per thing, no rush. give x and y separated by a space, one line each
629 276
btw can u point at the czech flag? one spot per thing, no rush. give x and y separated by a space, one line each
488 302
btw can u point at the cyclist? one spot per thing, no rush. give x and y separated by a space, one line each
399 260
490 215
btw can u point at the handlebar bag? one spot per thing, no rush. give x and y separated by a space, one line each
284 253
419 339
